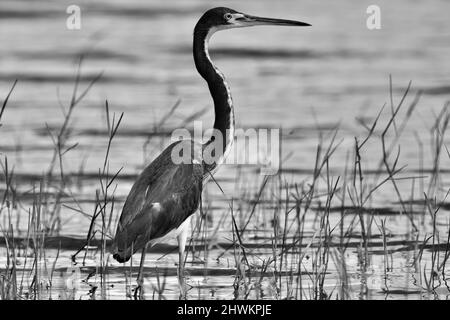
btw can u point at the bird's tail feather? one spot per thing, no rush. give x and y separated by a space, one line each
134 235
123 248
121 254
128 240
121 257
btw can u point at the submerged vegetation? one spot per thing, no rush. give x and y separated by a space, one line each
278 237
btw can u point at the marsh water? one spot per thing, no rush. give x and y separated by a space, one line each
306 81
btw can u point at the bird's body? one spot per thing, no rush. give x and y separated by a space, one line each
162 198
167 193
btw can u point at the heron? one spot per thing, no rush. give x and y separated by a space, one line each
166 194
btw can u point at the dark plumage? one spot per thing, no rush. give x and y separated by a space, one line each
162 198
214 17
166 193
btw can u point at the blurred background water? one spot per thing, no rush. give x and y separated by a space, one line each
334 73
331 73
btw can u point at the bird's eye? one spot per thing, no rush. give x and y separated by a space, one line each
228 16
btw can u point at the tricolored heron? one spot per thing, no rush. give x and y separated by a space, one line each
166 194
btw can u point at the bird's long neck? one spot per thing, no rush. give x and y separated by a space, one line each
218 87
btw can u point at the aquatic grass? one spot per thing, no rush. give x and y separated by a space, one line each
43 218
280 237
60 140
5 102
8 278
104 206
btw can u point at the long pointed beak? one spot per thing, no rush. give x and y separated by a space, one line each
254 21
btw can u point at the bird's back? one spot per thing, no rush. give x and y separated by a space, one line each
164 195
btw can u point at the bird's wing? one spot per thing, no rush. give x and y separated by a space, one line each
164 195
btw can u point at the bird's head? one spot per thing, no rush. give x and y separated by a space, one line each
225 18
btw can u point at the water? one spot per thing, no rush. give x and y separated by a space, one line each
334 73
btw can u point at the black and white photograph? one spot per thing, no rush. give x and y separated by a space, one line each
245 152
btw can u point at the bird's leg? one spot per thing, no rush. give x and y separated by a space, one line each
139 292
181 248
181 277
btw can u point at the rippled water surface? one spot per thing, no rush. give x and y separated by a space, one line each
306 81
